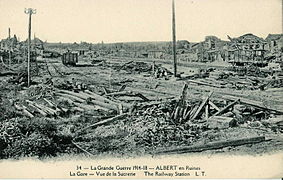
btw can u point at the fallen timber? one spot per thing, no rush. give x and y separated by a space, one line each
103 122
79 147
254 103
94 99
38 110
96 96
80 100
150 92
130 94
214 145
226 107
202 105
206 84
41 108
23 109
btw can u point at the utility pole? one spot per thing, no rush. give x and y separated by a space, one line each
29 11
10 44
174 38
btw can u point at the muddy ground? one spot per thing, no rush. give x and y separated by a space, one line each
147 130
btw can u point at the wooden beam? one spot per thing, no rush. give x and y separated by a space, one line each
23 109
206 84
38 110
202 105
213 105
254 103
103 122
130 94
101 98
226 107
83 97
215 145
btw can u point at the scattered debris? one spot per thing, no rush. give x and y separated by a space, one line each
69 111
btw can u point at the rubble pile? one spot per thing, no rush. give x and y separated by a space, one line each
154 125
58 115
141 67
226 79
133 66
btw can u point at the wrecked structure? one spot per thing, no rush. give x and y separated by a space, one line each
275 47
117 105
137 107
247 49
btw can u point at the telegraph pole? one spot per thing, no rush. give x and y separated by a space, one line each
174 38
29 11
10 44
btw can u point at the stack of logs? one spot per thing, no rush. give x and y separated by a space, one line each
49 109
88 100
82 101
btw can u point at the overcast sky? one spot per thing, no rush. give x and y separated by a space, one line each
139 20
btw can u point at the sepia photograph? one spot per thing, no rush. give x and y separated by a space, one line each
142 81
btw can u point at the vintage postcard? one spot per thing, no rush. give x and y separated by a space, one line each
170 89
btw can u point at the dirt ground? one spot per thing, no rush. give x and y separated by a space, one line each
146 131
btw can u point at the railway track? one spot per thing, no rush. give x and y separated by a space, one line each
53 70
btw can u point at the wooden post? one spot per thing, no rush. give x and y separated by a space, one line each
10 44
174 38
29 11
29 32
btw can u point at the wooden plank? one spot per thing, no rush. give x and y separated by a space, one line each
104 99
226 107
103 122
213 105
50 103
129 94
206 84
186 110
214 145
24 110
202 105
105 90
191 112
254 103
42 108
47 109
38 110
79 147
175 116
73 98
95 102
